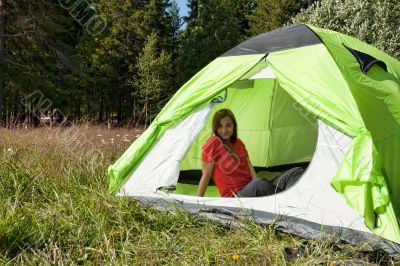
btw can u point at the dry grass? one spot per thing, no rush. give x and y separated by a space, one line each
55 209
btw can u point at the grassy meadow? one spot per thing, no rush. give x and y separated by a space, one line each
55 209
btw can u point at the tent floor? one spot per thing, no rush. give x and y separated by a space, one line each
188 180
188 183
191 190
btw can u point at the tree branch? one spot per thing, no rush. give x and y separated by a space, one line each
16 35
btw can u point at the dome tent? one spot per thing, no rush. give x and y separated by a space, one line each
300 94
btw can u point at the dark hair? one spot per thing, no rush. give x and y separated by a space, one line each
218 116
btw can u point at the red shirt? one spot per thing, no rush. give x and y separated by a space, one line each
231 170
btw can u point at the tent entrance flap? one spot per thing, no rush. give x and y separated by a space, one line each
160 168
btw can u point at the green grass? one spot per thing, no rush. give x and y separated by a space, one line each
55 209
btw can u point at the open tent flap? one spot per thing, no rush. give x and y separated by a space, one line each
160 168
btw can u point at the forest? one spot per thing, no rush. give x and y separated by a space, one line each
118 62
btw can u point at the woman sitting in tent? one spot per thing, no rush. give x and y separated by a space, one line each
225 158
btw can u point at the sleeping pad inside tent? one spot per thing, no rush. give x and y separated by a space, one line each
301 96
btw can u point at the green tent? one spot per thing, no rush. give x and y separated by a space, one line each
301 95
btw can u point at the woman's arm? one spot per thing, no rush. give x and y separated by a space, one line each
207 169
252 171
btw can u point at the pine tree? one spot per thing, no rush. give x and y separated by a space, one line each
109 59
156 20
155 73
110 63
212 28
269 15
175 21
36 53
242 11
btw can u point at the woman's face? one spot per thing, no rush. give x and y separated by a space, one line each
225 128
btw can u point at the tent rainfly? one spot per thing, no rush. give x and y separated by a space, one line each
301 95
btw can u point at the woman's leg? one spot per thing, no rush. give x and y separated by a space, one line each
288 178
261 187
257 188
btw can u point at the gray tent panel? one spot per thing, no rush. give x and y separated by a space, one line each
277 40
296 226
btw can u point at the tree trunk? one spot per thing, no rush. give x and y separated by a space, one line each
78 112
101 111
35 113
119 115
2 60
134 109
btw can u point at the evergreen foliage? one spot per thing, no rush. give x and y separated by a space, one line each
269 15
212 28
154 77
109 59
39 55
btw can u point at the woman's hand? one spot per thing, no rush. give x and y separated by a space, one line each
252 171
207 169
